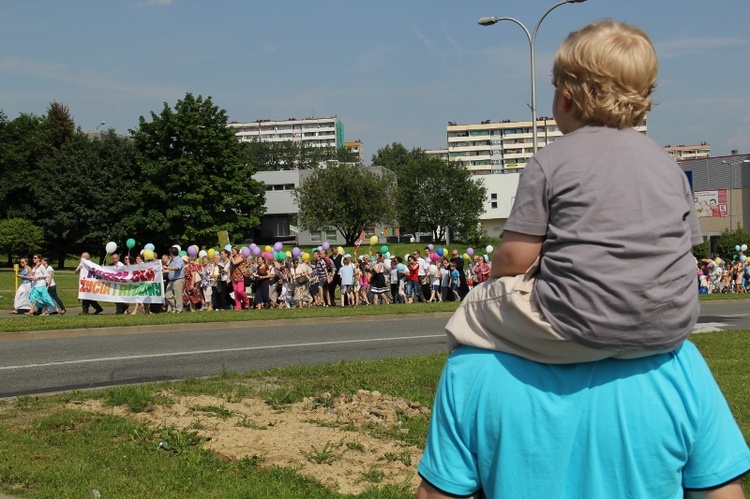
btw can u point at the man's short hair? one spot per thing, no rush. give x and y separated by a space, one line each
608 69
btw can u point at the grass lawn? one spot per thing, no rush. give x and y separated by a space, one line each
49 448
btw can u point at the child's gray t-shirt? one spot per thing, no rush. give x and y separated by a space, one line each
619 222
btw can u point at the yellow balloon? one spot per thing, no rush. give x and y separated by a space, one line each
148 254
211 253
268 249
466 256
288 254
340 250
305 256
373 240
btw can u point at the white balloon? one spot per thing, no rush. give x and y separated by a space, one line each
489 248
111 247
202 253
433 269
743 247
387 264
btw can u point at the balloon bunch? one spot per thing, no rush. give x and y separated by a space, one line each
741 249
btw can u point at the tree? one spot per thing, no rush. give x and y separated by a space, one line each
729 240
289 155
22 141
196 176
434 194
19 237
397 158
91 195
346 197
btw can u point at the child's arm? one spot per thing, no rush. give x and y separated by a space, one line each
516 254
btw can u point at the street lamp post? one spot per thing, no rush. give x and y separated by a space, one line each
100 124
531 36
732 164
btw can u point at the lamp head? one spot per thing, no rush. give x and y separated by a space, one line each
488 21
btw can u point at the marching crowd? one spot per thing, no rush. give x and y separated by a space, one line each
236 280
231 280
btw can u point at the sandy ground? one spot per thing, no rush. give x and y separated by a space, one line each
320 437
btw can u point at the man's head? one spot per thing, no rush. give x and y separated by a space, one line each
85 256
115 257
608 70
174 251
455 253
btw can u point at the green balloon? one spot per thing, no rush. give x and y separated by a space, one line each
384 249
130 243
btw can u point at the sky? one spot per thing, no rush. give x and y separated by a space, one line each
391 70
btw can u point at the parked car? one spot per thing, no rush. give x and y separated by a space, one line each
408 238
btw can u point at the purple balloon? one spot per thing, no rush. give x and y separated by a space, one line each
255 250
278 245
192 250
245 251
325 245
430 246
469 251
319 248
296 252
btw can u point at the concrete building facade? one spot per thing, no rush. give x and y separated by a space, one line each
316 132
684 153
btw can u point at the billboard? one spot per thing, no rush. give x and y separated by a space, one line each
712 203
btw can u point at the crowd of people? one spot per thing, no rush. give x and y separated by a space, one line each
719 276
233 280
37 293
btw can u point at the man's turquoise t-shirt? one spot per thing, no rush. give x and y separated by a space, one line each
647 427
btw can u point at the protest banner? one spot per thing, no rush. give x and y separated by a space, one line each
142 283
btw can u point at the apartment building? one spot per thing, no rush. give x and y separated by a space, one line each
355 147
684 153
500 147
316 132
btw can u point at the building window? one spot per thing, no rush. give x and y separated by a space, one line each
322 236
493 196
493 205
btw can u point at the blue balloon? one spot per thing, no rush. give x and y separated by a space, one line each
400 267
228 247
737 248
150 246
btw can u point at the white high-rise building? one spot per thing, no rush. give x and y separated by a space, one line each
500 147
316 132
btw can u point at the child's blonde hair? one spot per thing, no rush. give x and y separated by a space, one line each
608 69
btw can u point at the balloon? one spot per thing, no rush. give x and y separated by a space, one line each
326 245
434 257
278 245
267 254
305 256
267 249
737 248
373 240
348 255
130 243
211 253
469 251
150 246
489 248
245 251
280 256
372 258
183 253
192 250
466 256
202 253
387 264
148 254
384 249
440 251
255 250
111 247
743 258
288 254
179 248
400 267
296 251
430 247
743 247
319 248
340 250
433 269
228 247
718 261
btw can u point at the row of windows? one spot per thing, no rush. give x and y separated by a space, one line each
279 187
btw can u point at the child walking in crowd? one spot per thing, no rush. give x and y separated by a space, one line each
597 213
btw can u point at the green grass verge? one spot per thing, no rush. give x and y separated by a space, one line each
50 450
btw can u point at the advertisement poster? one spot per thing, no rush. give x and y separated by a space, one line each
130 284
712 203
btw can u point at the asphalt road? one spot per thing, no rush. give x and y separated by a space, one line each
66 360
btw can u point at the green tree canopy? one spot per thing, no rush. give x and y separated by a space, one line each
433 194
729 240
19 237
346 197
196 177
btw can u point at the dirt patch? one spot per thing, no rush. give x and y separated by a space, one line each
319 437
